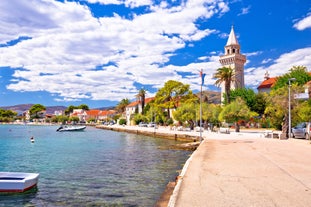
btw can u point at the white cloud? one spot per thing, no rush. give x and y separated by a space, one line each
244 11
265 61
303 23
73 55
128 3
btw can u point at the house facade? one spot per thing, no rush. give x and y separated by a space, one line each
133 108
95 114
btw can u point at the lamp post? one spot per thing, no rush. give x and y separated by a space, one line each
289 108
201 114
202 75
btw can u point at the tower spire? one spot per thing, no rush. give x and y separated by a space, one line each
232 40
235 60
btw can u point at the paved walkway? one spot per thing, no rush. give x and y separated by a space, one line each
240 170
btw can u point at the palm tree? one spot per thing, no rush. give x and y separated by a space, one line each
122 105
225 75
141 98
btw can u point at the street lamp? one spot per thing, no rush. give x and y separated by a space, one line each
289 108
202 75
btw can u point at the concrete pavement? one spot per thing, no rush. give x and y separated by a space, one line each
241 170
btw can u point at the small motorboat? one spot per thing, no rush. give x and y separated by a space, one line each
70 128
17 182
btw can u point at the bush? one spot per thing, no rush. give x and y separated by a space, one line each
122 121
169 122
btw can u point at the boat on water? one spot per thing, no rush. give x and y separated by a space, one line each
17 182
64 128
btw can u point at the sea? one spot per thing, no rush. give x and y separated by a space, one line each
94 167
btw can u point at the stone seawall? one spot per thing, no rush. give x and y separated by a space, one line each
160 133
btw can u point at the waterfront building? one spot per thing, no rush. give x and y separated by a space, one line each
134 108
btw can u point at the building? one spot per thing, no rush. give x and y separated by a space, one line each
235 60
106 115
135 107
93 114
266 85
268 82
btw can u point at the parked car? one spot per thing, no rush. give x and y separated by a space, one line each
143 124
302 130
151 124
198 129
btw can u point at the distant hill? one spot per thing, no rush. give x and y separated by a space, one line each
25 107
106 108
211 96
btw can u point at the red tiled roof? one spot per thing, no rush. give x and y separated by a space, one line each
93 112
268 83
106 113
147 100
135 103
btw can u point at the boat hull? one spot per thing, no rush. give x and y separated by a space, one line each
70 128
16 182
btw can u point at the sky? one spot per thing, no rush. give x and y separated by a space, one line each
98 52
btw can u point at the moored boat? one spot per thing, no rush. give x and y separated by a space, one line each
16 182
70 128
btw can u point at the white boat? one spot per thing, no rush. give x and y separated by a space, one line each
15 182
70 128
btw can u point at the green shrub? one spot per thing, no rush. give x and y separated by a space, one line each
122 121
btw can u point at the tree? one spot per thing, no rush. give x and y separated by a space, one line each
35 110
234 112
70 109
173 94
260 103
186 113
277 107
7 115
154 113
74 119
141 98
304 111
122 105
247 94
255 102
210 113
300 73
84 107
225 75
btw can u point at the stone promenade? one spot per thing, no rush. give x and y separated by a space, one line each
246 170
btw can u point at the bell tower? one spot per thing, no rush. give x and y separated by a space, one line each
235 60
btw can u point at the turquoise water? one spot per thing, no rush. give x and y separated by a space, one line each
91 168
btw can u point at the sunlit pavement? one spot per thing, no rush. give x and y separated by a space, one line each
241 169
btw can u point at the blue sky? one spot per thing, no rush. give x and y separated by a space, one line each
97 52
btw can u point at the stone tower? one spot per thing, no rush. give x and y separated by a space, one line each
235 60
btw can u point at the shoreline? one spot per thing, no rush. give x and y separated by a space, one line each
172 189
161 132
190 138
